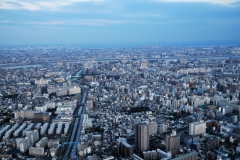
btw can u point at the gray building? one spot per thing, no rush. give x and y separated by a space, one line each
173 143
189 156
42 142
142 137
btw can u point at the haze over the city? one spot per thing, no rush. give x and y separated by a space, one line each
120 79
153 22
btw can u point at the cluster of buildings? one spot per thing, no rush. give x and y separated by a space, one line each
142 103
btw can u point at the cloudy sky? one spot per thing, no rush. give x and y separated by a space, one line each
118 21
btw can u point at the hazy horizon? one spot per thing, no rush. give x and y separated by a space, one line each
153 22
134 44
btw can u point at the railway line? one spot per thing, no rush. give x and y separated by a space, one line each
69 149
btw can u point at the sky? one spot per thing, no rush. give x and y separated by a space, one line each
146 22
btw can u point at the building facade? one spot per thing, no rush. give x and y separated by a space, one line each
197 128
173 143
142 137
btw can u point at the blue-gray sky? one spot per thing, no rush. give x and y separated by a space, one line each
118 21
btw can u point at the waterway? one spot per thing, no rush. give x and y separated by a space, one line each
23 66
11 66
77 75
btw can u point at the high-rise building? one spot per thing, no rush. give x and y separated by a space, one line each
173 143
162 128
181 60
212 143
126 149
152 128
142 137
197 128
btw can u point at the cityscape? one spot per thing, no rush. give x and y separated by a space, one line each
120 79
155 102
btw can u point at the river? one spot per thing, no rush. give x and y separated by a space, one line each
115 60
77 75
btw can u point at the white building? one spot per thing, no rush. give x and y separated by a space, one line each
25 145
152 128
42 108
36 151
225 109
42 142
42 81
162 128
74 90
197 128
